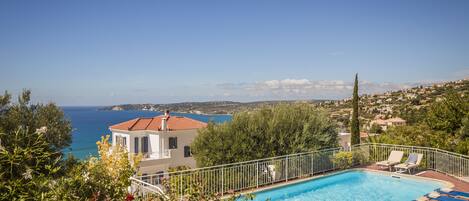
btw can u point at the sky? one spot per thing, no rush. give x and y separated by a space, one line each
78 53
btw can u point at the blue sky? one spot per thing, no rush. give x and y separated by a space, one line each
112 52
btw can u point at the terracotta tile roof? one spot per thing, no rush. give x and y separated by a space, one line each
154 124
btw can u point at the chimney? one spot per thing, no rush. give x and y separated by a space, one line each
164 121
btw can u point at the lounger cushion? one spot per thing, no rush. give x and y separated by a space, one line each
433 195
394 158
405 166
386 163
412 159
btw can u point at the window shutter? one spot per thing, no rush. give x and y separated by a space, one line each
173 142
145 144
136 145
187 151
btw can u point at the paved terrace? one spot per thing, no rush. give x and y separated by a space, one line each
459 185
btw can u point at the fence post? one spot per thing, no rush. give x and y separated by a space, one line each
333 163
286 168
180 185
257 174
222 181
312 164
460 166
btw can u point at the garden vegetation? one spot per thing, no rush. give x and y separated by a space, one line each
266 132
33 167
445 125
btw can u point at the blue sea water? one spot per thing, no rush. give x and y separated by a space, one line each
90 123
351 186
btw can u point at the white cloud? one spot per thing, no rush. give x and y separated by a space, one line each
307 89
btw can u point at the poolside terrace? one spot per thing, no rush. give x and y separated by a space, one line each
459 184
254 175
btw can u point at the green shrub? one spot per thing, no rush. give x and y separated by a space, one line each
359 157
347 159
343 159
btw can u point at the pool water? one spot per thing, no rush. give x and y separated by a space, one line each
352 185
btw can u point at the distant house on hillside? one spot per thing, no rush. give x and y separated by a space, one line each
164 141
386 123
345 138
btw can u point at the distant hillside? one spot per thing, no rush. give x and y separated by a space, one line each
409 104
212 107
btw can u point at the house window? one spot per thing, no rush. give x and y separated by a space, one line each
145 144
187 151
122 141
173 142
136 145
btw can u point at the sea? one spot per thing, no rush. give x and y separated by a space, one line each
90 123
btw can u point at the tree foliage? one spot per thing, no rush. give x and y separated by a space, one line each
27 163
355 129
22 114
445 126
416 135
32 137
447 115
375 128
266 132
103 178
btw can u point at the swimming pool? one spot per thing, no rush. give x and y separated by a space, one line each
352 185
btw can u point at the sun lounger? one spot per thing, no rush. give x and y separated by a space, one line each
412 162
394 158
446 198
453 193
438 197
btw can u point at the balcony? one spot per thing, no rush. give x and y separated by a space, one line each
166 153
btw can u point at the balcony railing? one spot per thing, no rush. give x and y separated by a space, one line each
156 155
228 178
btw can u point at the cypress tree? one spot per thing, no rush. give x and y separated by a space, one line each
355 130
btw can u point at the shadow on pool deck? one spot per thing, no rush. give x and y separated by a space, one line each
458 184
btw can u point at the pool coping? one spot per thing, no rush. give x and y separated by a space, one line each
446 184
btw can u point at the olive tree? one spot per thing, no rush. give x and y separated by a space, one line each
265 132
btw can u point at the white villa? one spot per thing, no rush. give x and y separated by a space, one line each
164 141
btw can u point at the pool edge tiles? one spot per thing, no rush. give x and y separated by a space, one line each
352 177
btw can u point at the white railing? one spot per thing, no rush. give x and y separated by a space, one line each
156 155
144 190
241 176
453 164
235 177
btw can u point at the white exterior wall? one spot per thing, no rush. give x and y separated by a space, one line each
154 145
158 142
